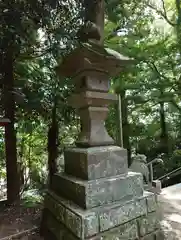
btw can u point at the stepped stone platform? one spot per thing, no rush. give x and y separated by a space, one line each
109 208
89 194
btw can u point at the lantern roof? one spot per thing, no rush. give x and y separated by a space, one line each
92 56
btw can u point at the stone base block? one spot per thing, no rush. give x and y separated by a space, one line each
101 223
127 231
123 232
89 194
95 162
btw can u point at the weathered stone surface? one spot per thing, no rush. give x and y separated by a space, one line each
74 222
148 224
150 236
151 202
94 132
123 232
127 231
157 235
95 162
89 223
55 227
88 194
91 98
56 207
92 80
121 214
97 58
79 222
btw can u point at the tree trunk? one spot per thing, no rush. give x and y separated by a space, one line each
178 24
21 166
13 181
29 158
164 133
53 144
125 125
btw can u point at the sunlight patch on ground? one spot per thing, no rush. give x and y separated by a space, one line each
166 225
174 196
175 218
171 229
170 209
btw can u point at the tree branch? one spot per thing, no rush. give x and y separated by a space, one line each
154 67
162 13
164 9
175 105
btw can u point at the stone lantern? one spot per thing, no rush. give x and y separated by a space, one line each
91 68
97 198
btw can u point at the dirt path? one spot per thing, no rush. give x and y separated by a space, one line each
14 220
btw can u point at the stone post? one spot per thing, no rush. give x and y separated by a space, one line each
97 198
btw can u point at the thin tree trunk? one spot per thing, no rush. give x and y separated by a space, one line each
53 144
178 25
125 125
29 158
13 181
164 133
21 167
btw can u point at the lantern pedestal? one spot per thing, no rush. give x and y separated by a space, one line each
97 198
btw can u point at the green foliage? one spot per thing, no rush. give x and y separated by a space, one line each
31 199
39 34
151 37
43 32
